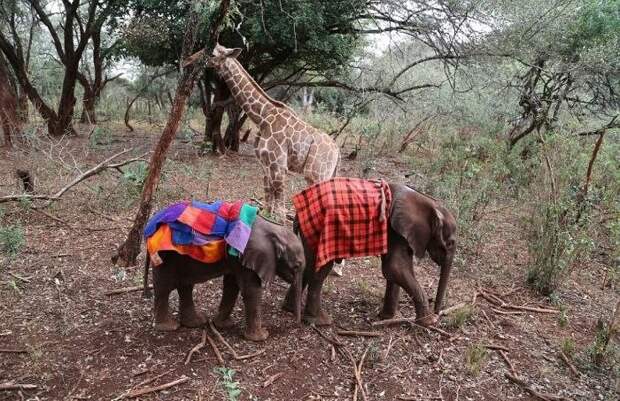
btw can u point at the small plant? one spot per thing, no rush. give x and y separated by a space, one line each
460 316
598 350
231 387
133 179
475 355
568 347
11 239
100 137
563 317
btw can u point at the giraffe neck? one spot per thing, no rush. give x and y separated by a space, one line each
246 92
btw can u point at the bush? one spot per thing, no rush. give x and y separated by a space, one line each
475 355
11 239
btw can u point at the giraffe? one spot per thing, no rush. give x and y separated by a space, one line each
285 142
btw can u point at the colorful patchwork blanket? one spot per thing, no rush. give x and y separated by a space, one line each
344 218
200 230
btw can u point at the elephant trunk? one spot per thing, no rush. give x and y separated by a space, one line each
442 287
298 294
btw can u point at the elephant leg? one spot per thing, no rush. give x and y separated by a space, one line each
164 321
390 300
252 294
313 313
230 293
289 301
397 266
187 310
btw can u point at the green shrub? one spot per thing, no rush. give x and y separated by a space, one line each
11 239
231 387
460 316
475 356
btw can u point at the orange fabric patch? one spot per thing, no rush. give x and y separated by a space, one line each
212 252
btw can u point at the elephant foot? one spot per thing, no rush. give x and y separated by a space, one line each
428 320
323 319
195 319
260 334
222 323
385 315
169 324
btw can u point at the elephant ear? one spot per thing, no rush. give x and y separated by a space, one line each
260 256
437 227
402 213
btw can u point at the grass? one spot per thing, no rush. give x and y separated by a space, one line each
475 356
568 347
459 317
12 239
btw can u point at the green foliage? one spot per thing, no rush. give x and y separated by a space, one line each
475 356
12 239
134 176
568 347
598 350
231 387
101 137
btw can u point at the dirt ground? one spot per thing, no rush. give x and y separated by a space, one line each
77 343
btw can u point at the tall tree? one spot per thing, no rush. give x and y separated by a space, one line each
9 120
70 30
128 252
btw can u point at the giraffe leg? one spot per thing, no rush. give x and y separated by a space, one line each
278 175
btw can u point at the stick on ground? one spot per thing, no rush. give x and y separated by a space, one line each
197 347
534 393
126 290
216 350
355 333
13 350
139 392
569 364
17 386
272 379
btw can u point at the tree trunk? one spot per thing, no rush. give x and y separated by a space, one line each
128 252
235 121
89 115
9 120
23 106
213 118
63 124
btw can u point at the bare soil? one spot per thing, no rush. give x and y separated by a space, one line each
80 344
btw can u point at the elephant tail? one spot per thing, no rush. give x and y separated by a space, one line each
146 291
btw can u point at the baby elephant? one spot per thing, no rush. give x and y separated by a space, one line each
271 249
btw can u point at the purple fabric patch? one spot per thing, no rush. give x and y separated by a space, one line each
239 236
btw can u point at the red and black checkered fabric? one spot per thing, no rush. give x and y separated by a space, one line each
344 218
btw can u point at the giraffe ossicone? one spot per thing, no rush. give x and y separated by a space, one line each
285 142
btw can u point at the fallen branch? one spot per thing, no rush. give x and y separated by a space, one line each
126 290
136 393
496 347
272 379
236 356
216 350
197 347
508 362
24 279
152 379
495 300
509 313
354 333
569 364
412 322
104 165
13 350
534 393
16 386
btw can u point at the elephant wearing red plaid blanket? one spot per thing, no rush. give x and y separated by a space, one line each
417 224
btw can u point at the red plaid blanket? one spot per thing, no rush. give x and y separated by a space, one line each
344 218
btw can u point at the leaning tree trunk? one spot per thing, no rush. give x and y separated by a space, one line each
128 252
9 119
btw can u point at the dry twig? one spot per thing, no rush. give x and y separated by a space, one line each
355 333
126 290
272 379
16 386
136 393
569 364
197 347
534 393
236 356
13 350
216 350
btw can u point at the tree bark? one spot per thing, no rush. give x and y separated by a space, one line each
9 119
235 122
128 252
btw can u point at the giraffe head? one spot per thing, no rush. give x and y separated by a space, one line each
220 54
